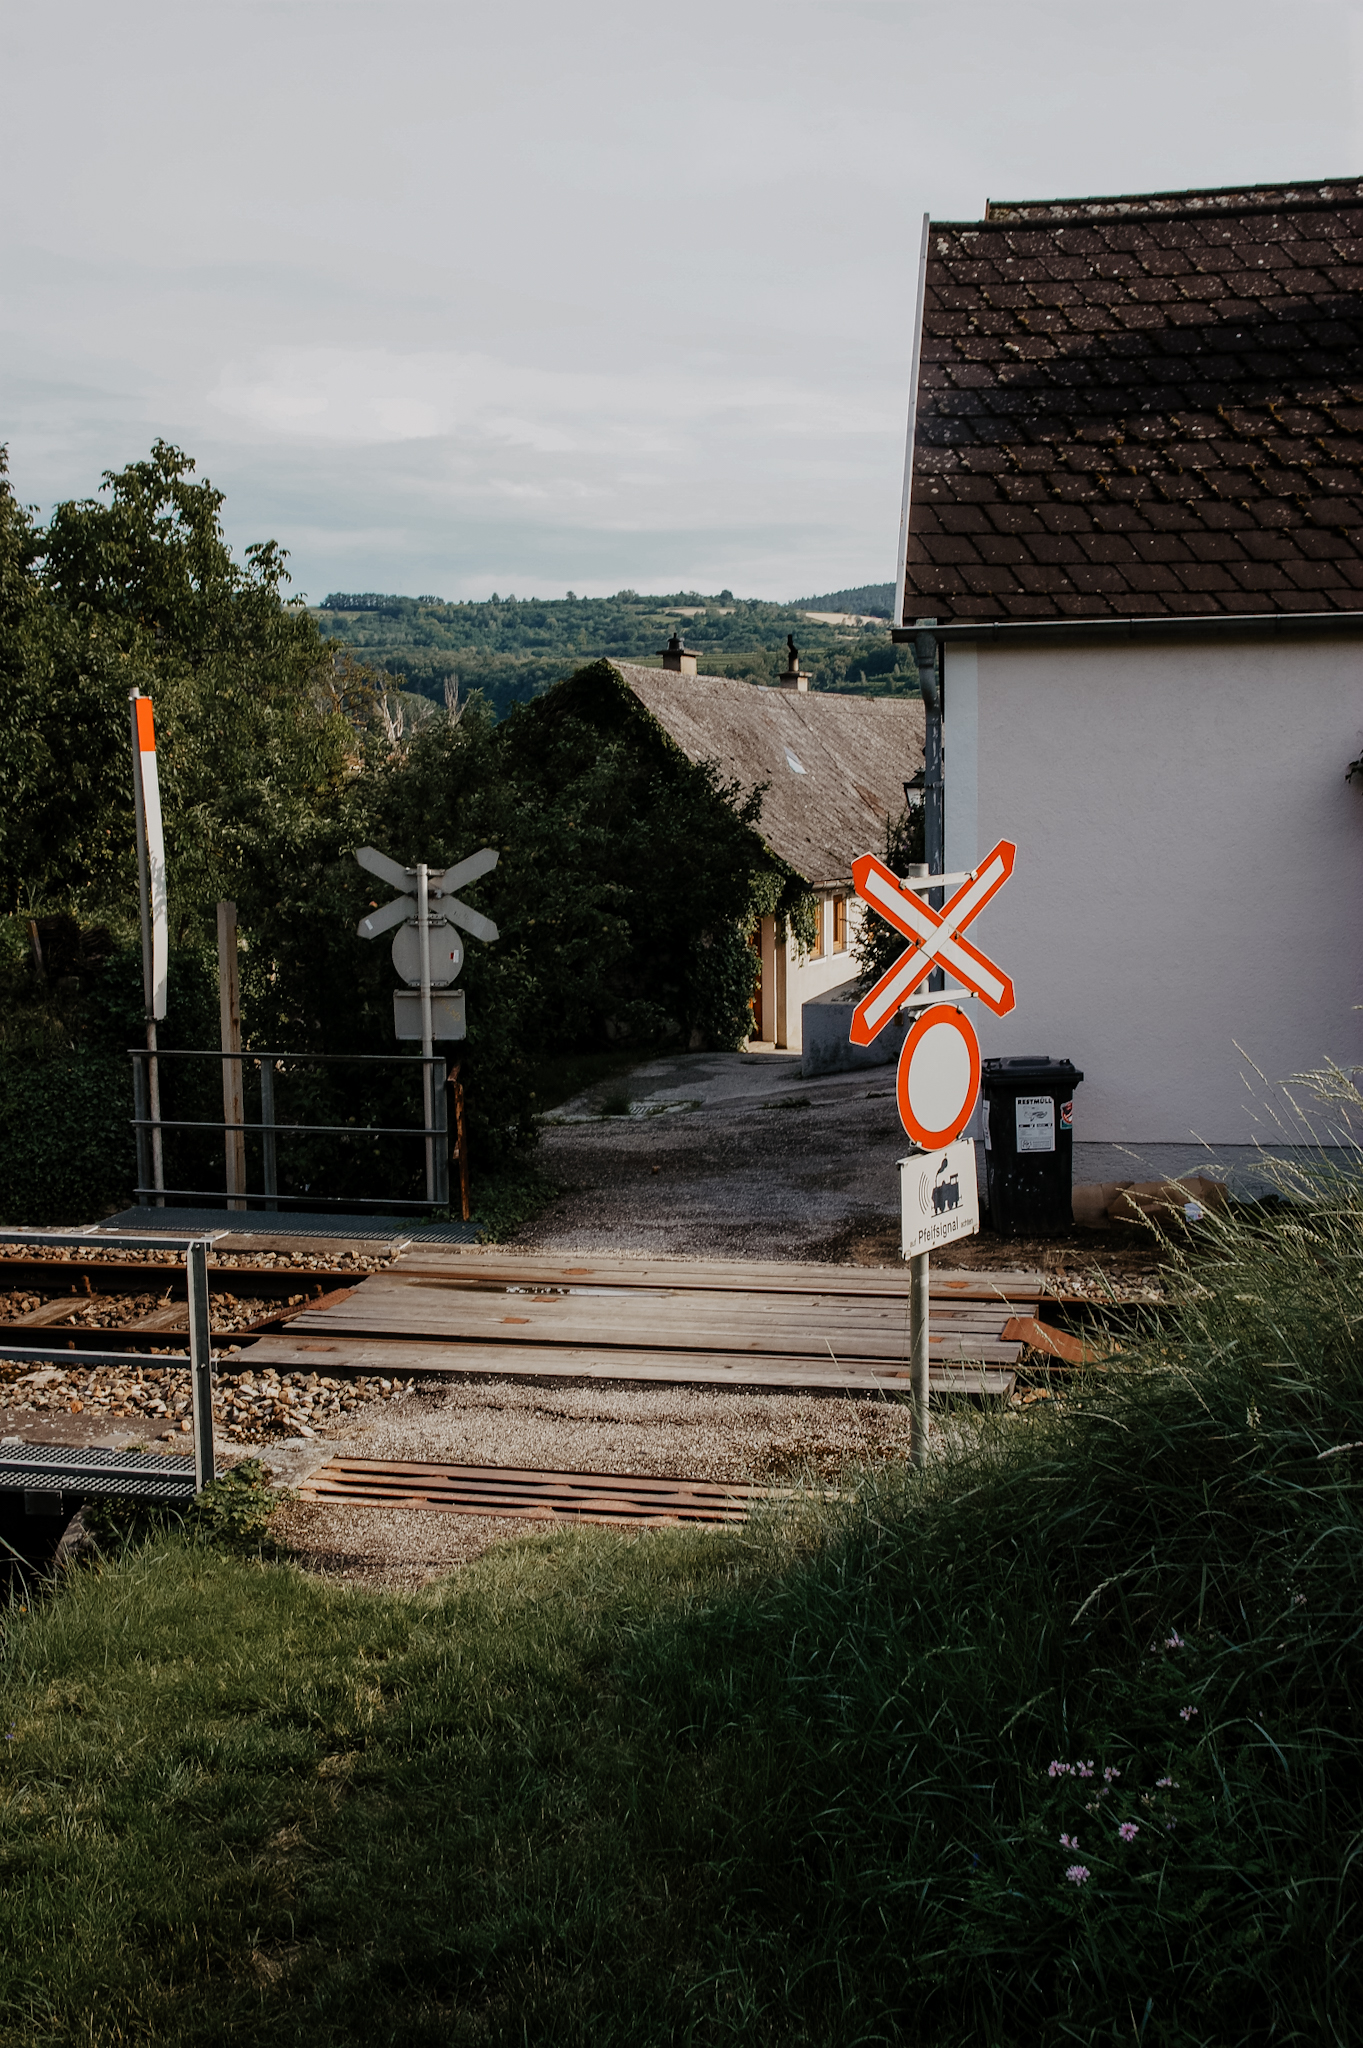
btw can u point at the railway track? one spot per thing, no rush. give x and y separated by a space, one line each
123 1306
301 1347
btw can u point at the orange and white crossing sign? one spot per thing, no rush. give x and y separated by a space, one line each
151 855
935 939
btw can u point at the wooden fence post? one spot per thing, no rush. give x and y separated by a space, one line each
233 1094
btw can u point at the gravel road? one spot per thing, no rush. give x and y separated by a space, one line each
724 1155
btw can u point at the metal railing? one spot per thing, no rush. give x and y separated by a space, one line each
269 1130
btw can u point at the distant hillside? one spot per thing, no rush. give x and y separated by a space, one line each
876 598
511 649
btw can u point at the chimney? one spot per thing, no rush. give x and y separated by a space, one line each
790 677
679 659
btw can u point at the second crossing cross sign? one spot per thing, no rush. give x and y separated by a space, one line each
427 954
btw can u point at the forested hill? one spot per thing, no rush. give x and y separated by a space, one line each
874 598
513 648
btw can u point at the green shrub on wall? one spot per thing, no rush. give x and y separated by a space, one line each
67 1151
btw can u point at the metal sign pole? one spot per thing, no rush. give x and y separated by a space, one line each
423 920
918 1358
200 1361
158 1168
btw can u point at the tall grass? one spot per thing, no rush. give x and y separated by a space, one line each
804 1783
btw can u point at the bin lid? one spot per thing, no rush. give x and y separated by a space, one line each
1028 1070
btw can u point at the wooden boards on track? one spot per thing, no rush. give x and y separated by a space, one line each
738 1323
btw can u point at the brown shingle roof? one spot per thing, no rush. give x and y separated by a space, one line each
1139 406
836 766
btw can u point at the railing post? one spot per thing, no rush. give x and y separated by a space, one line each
143 1134
200 1361
442 1138
268 1163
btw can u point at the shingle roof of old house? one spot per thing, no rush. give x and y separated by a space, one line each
836 766
1142 406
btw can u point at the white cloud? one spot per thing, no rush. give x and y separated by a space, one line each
363 396
444 293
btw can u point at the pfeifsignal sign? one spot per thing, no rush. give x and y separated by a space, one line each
939 1199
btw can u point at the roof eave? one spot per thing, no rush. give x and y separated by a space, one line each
1204 625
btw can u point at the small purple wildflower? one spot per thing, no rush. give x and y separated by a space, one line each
1069 1841
1059 1770
1166 1784
1110 1773
1173 1642
1186 1713
1078 1873
1128 1831
1086 1770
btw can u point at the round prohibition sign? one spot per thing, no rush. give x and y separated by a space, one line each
939 1076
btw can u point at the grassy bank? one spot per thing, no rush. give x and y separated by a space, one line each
808 1783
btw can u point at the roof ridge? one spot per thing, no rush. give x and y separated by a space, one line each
1195 199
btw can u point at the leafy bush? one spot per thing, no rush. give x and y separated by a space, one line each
877 945
231 1515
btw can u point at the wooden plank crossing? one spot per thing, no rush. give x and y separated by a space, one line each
701 1322
493 1266
784 1372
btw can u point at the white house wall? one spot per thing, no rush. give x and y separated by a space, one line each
807 975
1190 866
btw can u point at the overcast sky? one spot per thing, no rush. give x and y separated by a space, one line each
457 297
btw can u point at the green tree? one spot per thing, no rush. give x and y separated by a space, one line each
254 748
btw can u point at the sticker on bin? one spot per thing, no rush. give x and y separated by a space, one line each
1036 1123
1067 1116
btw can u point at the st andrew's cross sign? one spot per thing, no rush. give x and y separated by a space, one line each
935 937
939 1067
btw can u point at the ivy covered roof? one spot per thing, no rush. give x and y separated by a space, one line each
835 765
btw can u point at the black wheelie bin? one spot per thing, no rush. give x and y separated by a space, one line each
1029 1145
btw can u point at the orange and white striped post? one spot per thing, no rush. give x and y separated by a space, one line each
151 881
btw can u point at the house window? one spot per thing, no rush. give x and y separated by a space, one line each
817 950
839 924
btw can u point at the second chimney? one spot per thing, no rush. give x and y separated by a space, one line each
679 659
